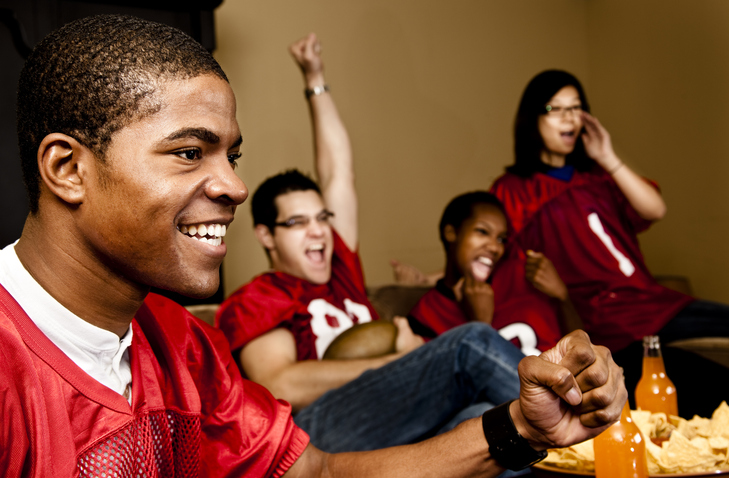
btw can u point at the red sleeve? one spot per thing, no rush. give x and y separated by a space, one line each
254 309
249 432
245 431
347 274
437 312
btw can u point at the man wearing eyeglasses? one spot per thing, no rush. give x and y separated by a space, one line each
280 324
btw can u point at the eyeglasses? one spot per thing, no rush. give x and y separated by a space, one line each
561 111
303 221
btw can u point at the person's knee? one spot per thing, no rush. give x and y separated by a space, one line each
482 331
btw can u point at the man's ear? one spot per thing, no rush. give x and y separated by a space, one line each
449 233
63 166
264 236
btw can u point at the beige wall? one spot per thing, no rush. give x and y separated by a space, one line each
428 90
659 79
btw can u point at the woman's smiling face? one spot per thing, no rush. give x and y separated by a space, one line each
561 127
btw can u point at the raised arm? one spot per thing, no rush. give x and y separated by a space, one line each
271 361
568 394
333 151
644 198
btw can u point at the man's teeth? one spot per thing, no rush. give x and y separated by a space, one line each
316 247
207 233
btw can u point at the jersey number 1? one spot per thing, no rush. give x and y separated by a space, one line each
624 264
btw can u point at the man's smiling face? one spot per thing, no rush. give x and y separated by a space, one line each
157 208
304 251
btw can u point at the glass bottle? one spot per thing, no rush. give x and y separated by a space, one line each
655 392
620 450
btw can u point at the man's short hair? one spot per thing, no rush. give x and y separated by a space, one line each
263 203
461 208
93 76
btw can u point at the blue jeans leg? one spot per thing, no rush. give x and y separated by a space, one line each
412 398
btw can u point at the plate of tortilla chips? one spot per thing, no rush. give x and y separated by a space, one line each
677 447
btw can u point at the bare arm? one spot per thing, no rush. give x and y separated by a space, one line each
644 198
333 151
270 360
461 452
568 394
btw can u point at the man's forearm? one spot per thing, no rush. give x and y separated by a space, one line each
460 452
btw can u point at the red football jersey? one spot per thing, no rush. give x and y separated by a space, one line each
314 313
523 315
191 413
587 228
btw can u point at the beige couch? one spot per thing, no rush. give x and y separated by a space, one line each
396 300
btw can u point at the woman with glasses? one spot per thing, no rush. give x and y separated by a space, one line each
570 197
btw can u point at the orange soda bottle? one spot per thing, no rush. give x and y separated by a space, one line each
655 392
620 450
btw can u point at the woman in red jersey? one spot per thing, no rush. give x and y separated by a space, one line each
570 197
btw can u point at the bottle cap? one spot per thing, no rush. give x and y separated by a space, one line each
652 341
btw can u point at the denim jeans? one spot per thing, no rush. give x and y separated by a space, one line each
467 369
697 379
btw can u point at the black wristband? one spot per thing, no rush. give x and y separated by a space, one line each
506 445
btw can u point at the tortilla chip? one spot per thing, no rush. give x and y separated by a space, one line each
720 421
575 457
653 454
688 456
690 446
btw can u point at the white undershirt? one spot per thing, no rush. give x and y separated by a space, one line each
98 352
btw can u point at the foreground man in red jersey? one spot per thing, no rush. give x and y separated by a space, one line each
128 139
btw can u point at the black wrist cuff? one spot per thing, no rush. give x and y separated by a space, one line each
506 445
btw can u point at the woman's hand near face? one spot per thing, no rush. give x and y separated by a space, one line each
644 198
598 144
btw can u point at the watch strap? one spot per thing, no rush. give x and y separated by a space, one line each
315 91
507 446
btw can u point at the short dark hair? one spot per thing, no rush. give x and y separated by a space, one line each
92 76
462 207
528 143
263 202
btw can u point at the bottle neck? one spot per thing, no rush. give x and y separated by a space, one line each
651 346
